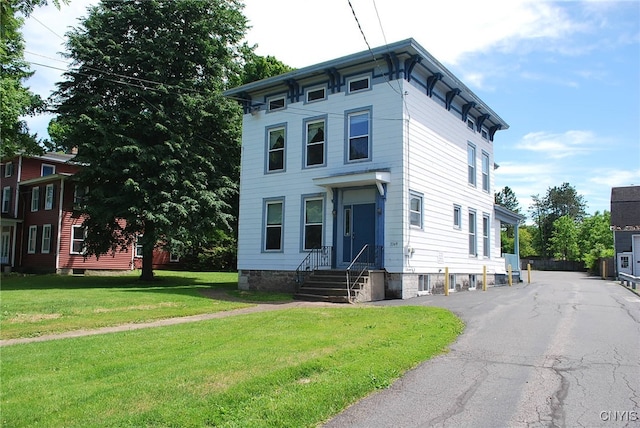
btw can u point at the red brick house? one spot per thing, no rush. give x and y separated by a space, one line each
41 230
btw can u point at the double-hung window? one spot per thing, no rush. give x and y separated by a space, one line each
471 161
46 239
359 133
313 219
274 222
276 149
77 239
35 198
485 171
8 169
415 209
33 236
486 228
48 197
6 199
315 142
457 217
473 248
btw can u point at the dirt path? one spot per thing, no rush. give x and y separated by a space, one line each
214 294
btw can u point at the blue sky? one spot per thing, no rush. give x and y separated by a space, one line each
564 75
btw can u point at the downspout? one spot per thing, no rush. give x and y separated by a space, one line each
58 238
516 243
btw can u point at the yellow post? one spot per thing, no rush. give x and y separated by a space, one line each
604 270
446 281
528 273
484 278
510 276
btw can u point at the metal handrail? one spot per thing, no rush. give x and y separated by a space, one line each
364 266
316 258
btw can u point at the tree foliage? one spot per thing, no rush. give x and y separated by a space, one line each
258 67
595 239
564 239
507 198
559 201
16 100
143 105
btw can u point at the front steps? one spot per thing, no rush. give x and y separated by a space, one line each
328 286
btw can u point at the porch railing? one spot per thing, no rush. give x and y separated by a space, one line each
369 257
316 258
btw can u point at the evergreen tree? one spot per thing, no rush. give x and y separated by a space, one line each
142 103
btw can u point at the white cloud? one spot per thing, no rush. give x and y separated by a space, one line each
616 177
560 145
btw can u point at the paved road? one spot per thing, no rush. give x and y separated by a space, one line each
561 351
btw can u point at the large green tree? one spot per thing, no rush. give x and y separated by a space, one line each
142 104
16 100
595 239
559 201
563 243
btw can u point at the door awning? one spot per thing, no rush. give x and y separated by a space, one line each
368 178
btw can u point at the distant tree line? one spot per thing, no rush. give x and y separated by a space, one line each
561 228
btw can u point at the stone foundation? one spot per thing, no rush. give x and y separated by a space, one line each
407 285
267 280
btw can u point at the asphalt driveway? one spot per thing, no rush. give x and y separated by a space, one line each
561 351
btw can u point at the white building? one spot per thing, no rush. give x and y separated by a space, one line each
393 155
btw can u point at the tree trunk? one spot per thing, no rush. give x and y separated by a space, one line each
147 253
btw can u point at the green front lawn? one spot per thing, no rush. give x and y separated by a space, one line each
43 304
293 367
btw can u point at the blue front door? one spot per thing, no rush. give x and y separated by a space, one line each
359 229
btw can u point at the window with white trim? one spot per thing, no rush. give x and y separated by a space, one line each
470 124
424 284
48 197
35 198
471 162
273 221
8 169
359 129
6 199
276 149
486 241
46 239
358 84
276 103
473 247
138 250
33 236
313 223
174 258
485 171
316 94
457 217
47 169
77 239
473 282
452 282
415 209
484 133
315 142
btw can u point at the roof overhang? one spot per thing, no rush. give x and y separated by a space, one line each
358 179
507 216
45 179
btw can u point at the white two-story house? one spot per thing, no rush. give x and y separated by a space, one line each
382 157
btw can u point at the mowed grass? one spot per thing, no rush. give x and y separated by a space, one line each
285 368
45 304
